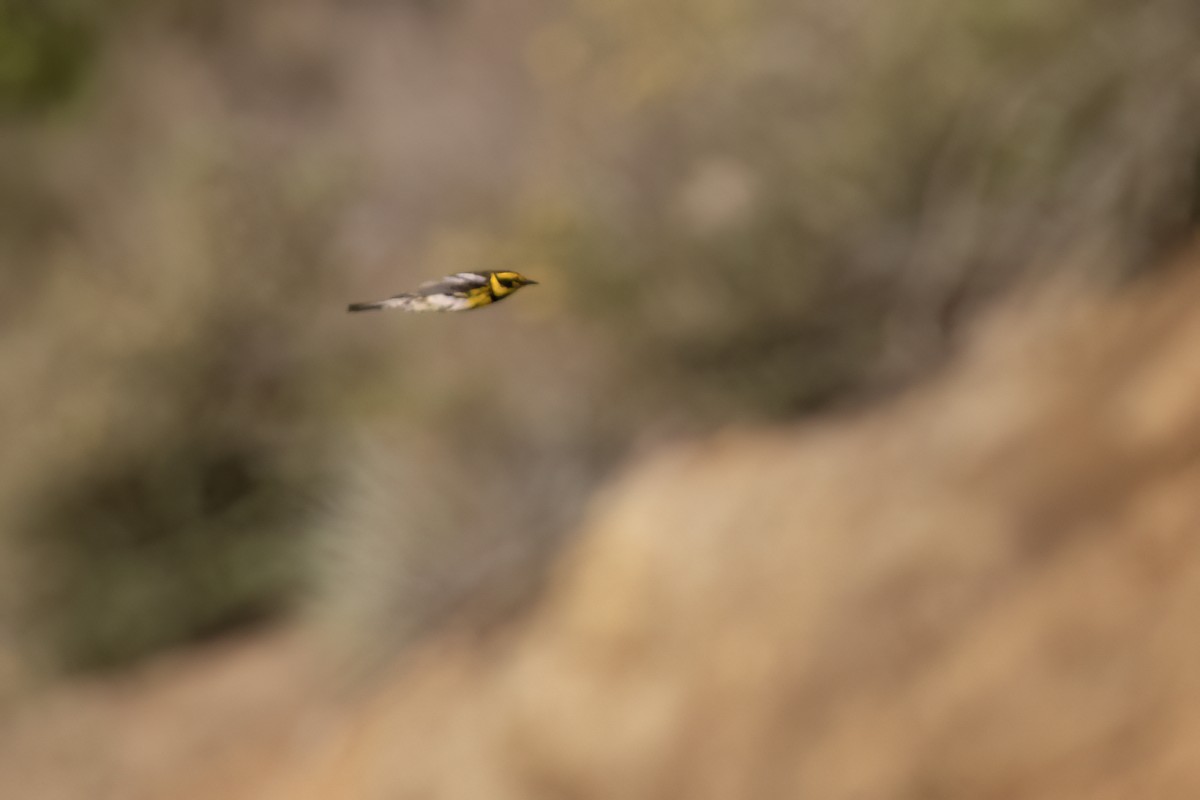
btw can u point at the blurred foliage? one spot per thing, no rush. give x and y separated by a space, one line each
46 51
784 191
167 547
738 211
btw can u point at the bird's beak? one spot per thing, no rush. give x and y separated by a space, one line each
529 282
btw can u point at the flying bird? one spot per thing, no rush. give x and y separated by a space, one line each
459 292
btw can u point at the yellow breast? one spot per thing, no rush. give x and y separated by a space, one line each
479 296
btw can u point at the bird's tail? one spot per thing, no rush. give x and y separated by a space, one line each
378 306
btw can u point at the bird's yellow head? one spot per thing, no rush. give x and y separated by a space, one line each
505 283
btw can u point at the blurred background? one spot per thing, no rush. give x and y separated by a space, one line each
740 213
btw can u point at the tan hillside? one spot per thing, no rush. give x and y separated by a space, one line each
986 590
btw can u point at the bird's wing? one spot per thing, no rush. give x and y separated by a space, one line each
456 292
460 284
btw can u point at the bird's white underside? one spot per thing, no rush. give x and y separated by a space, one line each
432 302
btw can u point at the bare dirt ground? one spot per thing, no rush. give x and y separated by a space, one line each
213 722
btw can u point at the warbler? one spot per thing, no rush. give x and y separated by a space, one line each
461 291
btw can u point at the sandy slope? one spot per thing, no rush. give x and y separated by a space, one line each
987 590
217 721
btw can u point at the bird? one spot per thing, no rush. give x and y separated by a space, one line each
461 291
